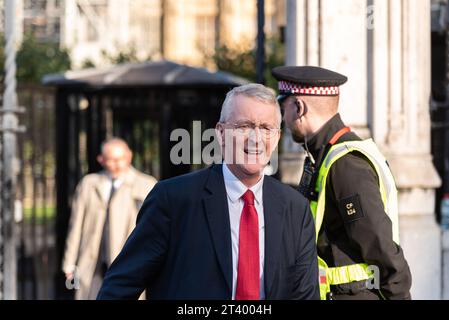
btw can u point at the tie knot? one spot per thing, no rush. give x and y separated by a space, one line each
248 197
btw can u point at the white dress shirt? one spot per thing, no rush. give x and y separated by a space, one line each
107 187
235 189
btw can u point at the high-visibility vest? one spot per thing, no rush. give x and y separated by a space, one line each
356 272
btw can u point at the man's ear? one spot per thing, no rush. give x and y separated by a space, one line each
100 159
219 132
301 107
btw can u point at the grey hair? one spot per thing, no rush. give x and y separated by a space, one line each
116 141
253 90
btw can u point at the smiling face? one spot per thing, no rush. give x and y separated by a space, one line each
249 136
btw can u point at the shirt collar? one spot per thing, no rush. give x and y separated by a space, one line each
235 188
117 182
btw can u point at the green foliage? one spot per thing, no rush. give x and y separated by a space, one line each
243 63
87 63
35 59
275 56
39 214
124 56
128 55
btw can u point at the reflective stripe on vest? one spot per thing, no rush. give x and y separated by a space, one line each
354 272
388 191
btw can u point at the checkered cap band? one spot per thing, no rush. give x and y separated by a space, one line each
294 88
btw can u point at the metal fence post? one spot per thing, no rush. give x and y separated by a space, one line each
9 168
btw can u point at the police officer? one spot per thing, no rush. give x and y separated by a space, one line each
350 188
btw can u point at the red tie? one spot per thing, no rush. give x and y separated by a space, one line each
248 282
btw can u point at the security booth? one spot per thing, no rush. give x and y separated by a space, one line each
143 103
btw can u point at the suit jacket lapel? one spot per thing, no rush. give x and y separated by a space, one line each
273 215
217 213
102 179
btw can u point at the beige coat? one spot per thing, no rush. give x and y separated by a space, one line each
88 217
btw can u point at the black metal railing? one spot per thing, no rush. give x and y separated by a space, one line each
36 194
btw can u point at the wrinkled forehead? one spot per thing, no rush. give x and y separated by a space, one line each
253 109
115 150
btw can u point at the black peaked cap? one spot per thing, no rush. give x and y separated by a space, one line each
309 76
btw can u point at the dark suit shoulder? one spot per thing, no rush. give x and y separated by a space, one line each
197 177
188 188
287 192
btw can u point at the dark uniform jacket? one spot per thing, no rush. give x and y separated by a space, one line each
365 236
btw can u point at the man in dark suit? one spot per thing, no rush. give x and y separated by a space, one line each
225 232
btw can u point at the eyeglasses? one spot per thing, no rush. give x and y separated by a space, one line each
245 128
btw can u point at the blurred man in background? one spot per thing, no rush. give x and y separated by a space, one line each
104 211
